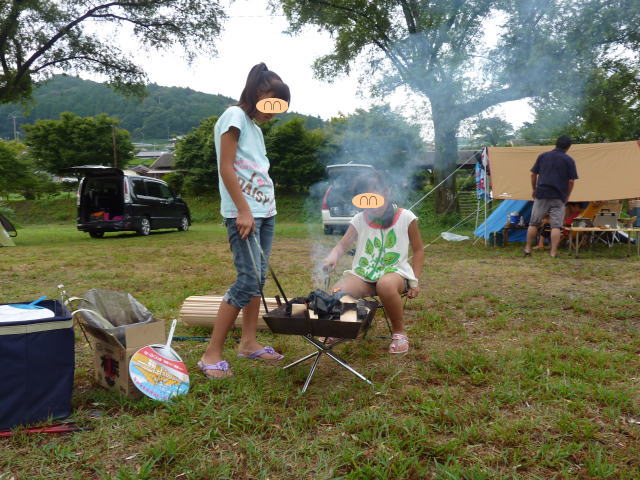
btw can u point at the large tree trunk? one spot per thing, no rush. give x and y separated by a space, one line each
446 156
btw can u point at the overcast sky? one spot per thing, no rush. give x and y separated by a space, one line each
252 35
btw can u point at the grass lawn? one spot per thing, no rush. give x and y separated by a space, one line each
519 369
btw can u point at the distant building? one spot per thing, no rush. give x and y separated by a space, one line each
466 159
140 169
150 153
162 166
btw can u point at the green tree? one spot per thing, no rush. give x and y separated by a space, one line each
18 172
38 37
493 131
12 168
377 137
195 153
608 110
73 140
293 155
439 50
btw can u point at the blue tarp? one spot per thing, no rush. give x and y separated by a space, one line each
497 220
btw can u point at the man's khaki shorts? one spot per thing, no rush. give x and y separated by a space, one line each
554 207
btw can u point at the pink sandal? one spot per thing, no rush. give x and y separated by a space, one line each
401 344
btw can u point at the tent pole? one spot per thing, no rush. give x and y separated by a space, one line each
436 187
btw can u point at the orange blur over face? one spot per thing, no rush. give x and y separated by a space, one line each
368 200
272 106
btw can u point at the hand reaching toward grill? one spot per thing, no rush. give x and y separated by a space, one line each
329 263
413 292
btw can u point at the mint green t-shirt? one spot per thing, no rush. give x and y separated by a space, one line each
251 166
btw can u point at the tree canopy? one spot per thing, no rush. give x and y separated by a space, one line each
73 140
378 137
12 168
196 153
40 37
608 110
293 155
493 131
440 50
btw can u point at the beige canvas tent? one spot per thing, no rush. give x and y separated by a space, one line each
606 171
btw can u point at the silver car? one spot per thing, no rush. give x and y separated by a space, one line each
337 209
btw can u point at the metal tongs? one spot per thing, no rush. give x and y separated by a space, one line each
255 269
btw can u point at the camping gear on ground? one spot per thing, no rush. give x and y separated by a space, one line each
37 358
338 323
7 230
158 371
202 311
298 317
118 326
310 324
20 312
452 237
111 311
66 427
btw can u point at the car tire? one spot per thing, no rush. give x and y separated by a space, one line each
328 230
96 234
144 228
184 224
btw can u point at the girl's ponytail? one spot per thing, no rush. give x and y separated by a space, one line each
260 81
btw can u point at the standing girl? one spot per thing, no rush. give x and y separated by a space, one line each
249 208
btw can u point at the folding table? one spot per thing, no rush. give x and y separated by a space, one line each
575 243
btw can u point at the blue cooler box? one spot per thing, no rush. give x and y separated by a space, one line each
37 359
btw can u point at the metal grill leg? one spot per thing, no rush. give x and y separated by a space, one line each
348 367
311 372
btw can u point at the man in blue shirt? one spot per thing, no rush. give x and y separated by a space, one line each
552 178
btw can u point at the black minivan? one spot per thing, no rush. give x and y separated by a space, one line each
113 200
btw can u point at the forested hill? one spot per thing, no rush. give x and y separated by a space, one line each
165 112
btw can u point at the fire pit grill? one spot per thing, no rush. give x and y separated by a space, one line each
279 321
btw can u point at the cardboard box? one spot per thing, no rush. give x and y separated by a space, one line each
111 358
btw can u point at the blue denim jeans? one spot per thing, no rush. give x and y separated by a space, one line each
246 284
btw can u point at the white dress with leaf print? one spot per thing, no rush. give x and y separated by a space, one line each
382 250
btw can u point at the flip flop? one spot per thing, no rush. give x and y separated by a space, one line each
221 365
401 341
257 355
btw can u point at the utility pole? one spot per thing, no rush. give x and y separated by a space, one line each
15 130
115 150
